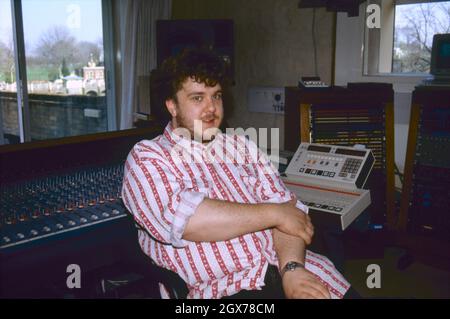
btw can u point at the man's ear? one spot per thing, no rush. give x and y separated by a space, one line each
171 107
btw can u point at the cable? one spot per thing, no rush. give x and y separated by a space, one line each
314 41
398 173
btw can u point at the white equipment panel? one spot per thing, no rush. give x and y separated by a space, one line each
328 179
331 165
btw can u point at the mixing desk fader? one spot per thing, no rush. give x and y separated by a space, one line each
56 205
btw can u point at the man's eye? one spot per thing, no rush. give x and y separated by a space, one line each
197 98
218 96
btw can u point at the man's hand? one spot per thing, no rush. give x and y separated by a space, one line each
302 284
294 222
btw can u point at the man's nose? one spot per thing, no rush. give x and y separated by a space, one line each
211 104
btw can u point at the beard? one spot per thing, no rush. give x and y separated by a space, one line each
200 135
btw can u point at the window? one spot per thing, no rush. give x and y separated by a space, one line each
403 43
415 25
64 47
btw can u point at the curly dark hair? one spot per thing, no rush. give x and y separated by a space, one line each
203 65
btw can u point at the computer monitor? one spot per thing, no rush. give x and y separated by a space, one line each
440 56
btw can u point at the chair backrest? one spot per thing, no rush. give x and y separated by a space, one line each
174 286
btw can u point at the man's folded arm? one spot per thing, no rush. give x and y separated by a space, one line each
216 220
175 213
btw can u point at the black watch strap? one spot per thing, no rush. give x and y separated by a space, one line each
290 266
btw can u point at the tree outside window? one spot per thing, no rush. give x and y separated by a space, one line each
415 25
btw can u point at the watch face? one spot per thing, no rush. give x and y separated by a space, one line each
291 266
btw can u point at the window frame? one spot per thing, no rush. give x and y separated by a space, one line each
110 74
21 76
349 56
23 107
351 34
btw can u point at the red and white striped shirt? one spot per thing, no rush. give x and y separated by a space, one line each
166 178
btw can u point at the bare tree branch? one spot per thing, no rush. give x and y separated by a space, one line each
413 42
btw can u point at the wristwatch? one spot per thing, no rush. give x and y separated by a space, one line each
290 266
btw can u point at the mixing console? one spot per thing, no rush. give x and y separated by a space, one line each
54 205
60 205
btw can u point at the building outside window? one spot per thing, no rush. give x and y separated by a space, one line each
63 42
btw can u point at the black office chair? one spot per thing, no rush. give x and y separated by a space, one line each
174 286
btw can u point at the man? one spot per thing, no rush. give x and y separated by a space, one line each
215 210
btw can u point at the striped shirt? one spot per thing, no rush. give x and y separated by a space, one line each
166 178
